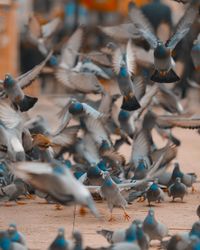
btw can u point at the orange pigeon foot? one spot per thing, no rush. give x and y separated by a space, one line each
126 216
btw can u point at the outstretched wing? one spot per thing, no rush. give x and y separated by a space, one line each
49 28
26 79
143 26
183 27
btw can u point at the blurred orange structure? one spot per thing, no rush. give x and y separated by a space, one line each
101 5
8 38
111 5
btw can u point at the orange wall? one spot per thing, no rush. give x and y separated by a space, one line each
8 40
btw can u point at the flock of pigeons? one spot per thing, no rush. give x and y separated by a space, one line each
80 160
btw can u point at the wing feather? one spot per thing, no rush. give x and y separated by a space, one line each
183 26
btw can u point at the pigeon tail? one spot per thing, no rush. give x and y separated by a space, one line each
27 103
167 77
130 103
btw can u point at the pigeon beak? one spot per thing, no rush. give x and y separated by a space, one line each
92 207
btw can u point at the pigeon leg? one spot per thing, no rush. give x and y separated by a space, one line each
42 202
112 218
21 202
193 189
82 211
30 196
141 199
8 204
126 216
58 207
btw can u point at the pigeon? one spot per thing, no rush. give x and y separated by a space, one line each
60 243
13 87
163 62
78 244
153 228
39 35
7 244
12 191
154 193
113 236
124 64
67 190
187 179
68 71
177 190
15 235
110 192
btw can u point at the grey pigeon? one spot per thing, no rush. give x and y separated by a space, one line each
7 244
154 193
153 228
15 235
57 181
163 61
177 189
60 243
110 192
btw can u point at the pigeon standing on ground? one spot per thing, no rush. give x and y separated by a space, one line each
153 228
110 191
177 190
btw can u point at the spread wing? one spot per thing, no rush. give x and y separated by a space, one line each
9 117
143 26
121 32
183 27
71 48
49 28
130 58
26 79
178 121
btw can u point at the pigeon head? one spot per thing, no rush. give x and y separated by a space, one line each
60 239
176 172
13 233
137 222
161 52
154 186
12 227
123 115
76 108
9 81
150 217
61 231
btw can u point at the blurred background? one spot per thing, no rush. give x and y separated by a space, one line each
19 56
